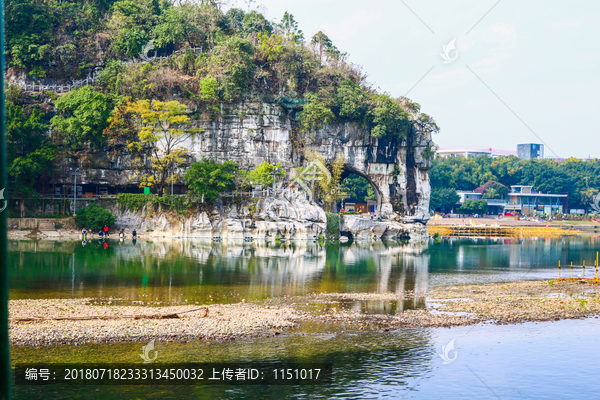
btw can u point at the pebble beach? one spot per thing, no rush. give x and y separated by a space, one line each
42 322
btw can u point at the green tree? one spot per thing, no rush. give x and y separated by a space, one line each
53 39
254 23
94 218
357 189
131 25
231 65
329 188
323 45
351 101
473 207
289 27
426 124
493 190
235 19
443 199
189 23
29 153
208 178
264 173
28 30
388 119
82 116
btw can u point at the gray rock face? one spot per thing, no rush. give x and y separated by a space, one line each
360 228
275 218
252 132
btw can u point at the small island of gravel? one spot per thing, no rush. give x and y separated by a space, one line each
58 321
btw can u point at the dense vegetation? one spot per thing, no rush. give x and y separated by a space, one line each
215 58
357 189
579 178
473 207
94 218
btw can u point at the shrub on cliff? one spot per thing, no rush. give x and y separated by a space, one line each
265 173
208 178
94 218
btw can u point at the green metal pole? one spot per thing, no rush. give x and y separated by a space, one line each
5 373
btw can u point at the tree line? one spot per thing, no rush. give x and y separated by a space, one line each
580 179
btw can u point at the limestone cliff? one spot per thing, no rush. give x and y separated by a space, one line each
253 131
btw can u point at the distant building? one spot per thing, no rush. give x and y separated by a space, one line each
465 195
528 151
467 152
355 207
527 201
521 200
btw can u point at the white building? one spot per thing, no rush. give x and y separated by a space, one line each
466 152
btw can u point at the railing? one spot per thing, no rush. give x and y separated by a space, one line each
287 193
60 88
496 201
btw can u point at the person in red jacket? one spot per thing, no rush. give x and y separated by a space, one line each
106 231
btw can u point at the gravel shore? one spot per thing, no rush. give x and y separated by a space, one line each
501 303
223 322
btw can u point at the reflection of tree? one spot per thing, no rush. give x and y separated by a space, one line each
196 271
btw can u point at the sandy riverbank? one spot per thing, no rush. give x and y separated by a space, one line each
501 303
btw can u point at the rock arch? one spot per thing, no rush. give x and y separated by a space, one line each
252 132
349 170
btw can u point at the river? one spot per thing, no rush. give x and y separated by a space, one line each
531 360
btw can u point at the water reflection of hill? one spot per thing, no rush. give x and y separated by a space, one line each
176 270
179 270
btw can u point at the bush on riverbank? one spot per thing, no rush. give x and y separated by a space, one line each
94 218
333 225
137 201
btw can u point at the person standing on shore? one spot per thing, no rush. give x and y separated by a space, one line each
106 231
84 234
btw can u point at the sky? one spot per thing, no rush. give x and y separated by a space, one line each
524 71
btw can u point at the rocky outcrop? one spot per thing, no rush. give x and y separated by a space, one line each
270 219
360 228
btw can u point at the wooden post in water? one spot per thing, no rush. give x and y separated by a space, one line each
558 269
571 269
583 274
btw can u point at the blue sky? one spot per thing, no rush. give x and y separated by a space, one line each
541 58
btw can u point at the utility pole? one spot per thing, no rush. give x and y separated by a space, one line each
75 190
5 372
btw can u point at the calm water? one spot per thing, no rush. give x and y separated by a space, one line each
176 271
533 360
